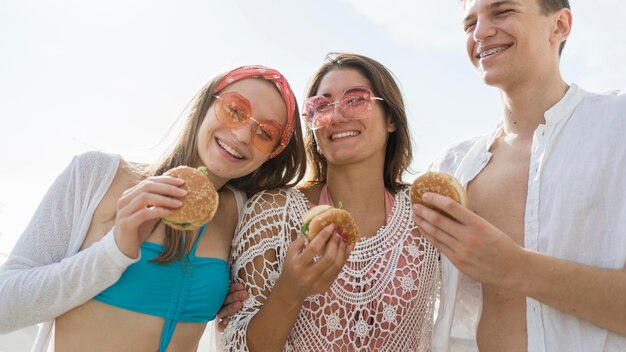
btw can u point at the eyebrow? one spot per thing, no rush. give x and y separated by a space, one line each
492 6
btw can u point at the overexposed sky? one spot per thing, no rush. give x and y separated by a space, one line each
114 75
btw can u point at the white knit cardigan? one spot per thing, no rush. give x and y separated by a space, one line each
45 275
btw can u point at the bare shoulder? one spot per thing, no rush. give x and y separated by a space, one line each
124 179
227 214
312 193
219 232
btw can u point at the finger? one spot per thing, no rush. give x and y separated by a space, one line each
236 286
318 243
332 272
149 200
341 256
229 309
138 218
439 245
236 296
331 252
223 324
155 180
297 246
164 185
438 238
435 219
455 210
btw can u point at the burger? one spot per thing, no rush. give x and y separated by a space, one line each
440 183
320 216
200 202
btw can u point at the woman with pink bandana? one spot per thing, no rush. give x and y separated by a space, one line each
98 267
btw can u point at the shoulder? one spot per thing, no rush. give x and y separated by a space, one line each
269 207
90 172
311 192
275 198
97 160
93 167
450 158
263 223
116 178
227 207
610 101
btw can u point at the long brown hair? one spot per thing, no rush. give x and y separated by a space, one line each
398 153
286 169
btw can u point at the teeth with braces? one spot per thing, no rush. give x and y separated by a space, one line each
230 150
491 52
344 134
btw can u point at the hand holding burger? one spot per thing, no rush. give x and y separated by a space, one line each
199 204
318 217
314 260
440 183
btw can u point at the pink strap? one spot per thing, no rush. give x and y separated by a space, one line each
325 198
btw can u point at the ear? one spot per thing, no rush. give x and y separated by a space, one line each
391 125
562 26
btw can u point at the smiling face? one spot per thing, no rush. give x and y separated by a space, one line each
231 153
347 140
511 41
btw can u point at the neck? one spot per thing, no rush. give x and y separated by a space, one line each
525 104
217 182
357 187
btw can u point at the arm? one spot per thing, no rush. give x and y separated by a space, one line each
37 283
42 278
486 254
301 277
276 298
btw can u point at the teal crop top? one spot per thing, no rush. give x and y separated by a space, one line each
192 292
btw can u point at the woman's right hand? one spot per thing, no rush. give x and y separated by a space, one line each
141 206
311 268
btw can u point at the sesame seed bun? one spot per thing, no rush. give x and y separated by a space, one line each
199 204
440 183
321 216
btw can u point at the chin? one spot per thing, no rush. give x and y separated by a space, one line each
492 79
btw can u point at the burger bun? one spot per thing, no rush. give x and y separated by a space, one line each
321 216
440 183
198 205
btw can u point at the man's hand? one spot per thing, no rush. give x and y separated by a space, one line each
473 245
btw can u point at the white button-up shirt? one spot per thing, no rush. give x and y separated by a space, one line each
575 210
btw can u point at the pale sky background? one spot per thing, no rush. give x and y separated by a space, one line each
78 75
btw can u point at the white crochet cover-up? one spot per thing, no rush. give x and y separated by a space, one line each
383 300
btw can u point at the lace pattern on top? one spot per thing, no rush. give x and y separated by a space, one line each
383 300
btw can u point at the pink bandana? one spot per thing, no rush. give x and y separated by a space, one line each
281 83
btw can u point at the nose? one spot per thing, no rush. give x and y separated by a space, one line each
243 134
337 115
483 30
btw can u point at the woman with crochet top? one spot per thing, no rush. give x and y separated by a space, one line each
325 295
97 261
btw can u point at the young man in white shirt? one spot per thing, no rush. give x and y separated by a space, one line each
537 262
